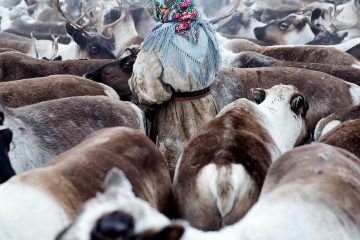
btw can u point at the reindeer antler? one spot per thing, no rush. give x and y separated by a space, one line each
302 4
334 14
231 12
34 43
103 27
92 19
55 46
76 23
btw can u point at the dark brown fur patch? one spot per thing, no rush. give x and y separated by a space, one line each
346 136
78 174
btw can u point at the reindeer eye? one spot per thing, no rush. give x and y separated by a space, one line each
284 26
93 50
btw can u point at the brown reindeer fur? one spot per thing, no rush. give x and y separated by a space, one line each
346 136
309 54
78 174
30 91
326 94
15 66
235 137
253 60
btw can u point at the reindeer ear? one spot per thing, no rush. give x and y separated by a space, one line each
172 232
299 105
70 29
259 94
76 34
115 180
316 14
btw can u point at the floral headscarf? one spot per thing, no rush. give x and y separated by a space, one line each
180 11
184 40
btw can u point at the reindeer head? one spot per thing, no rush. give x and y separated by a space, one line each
117 73
114 214
90 34
294 29
286 109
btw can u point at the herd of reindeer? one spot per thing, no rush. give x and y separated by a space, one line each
279 162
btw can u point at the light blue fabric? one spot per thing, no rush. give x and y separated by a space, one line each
194 50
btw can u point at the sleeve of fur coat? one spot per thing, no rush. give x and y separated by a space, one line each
146 81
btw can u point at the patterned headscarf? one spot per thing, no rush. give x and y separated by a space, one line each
184 40
180 11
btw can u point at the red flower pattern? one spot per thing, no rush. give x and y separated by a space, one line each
181 11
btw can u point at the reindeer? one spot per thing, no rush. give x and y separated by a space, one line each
101 42
46 129
46 200
221 171
292 30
